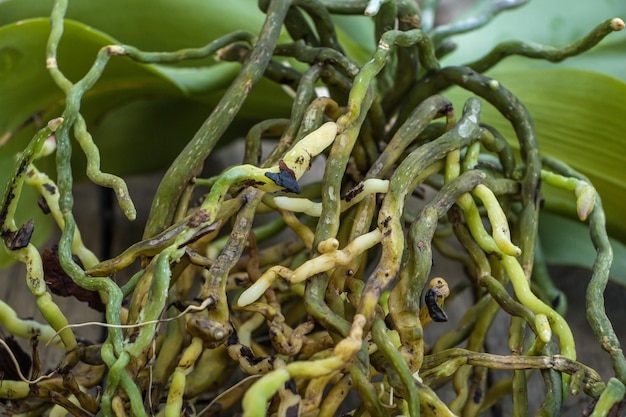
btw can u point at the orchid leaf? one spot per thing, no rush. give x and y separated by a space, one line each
165 25
566 242
28 94
146 124
30 97
28 89
169 25
556 23
356 35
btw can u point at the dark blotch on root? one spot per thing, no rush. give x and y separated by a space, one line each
353 192
21 238
50 188
43 205
285 180
434 309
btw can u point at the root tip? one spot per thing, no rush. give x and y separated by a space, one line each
617 24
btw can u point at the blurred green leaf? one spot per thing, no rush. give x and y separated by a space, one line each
165 25
28 91
154 25
356 35
28 94
566 242
556 23
157 129
579 119
27 88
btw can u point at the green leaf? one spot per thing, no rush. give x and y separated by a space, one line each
27 90
164 25
566 242
579 119
356 35
154 25
159 129
556 23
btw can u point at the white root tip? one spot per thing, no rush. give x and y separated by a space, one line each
617 24
328 245
585 199
115 50
51 63
299 205
54 124
254 292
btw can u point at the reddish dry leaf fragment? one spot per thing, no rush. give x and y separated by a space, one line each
7 367
61 284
